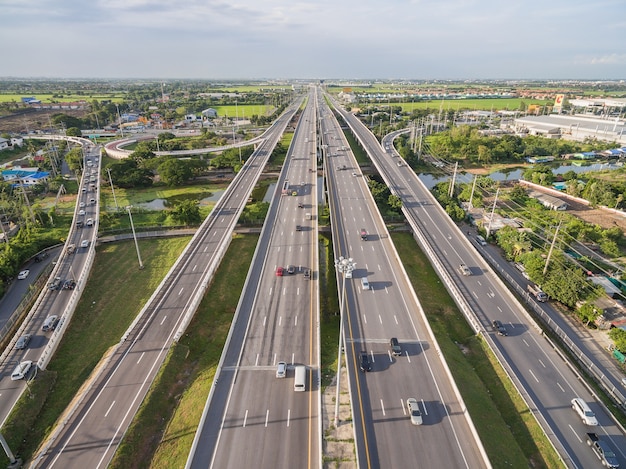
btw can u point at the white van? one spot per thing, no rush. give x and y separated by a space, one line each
299 382
365 285
584 412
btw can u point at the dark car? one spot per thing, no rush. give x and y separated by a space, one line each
364 362
394 345
498 327
298 227
291 270
69 284
22 342
300 205
307 274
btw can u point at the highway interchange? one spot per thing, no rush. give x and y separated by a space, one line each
278 320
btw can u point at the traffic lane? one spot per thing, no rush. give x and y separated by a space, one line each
390 416
267 411
110 409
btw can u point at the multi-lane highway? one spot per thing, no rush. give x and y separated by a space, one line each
90 435
544 378
67 280
385 436
277 320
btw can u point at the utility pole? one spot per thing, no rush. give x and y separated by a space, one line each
472 194
493 209
545 269
456 165
112 189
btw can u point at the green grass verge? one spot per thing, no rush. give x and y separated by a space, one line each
509 433
100 320
163 430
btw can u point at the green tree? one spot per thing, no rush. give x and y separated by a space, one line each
174 172
186 212
618 336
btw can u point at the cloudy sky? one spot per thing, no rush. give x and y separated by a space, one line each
216 39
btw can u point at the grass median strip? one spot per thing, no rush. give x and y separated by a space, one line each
510 435
163 430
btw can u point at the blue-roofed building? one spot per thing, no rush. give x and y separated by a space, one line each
28 177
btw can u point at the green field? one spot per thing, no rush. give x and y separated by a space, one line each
244 111
61 98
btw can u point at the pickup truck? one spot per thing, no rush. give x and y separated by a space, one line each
537 292
603 451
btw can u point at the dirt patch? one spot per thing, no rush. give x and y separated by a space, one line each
28 120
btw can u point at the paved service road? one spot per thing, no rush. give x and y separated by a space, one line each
277 320
546 381
385 436
93 431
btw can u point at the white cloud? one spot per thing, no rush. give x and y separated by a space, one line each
370 38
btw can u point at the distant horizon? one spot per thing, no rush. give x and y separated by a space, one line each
469 81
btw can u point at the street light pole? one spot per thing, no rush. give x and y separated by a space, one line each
132 227
345 266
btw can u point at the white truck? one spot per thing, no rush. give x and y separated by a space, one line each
537 292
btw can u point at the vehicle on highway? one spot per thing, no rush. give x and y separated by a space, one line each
394 345
624 382
69 284
537 292
363 233
364 362
92 201
80 224
84 243
281 370
299 381
50 323
23 274
71 249
298 227
23 341
365 284
21 370
603 450
464 270
355 174
498 327
481 240
280 271
55 284
300 205
89 222
291 270
81 212
307 275
81 205
584 412
414 411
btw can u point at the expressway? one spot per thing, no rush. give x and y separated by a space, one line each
543 377
389 308
54 300
89 436
277 320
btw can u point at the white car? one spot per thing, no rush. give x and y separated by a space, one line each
465 270
281 370
81 212
21 370
89 222
81 205
84 243
23 274
414 411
